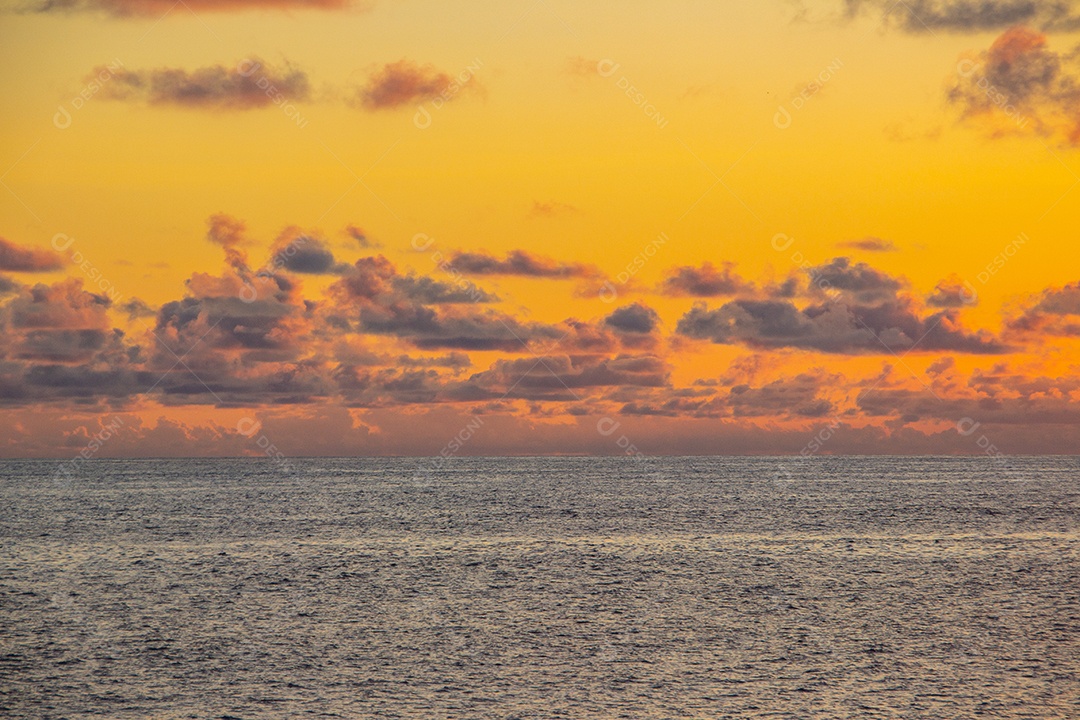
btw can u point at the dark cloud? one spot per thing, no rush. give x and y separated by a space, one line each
403 83
249 84
454 361
870 244
369 278
519 263
705 281
953 292
229 323
425 290
1019 85
83 383
970 16
427 328
941 365
361 237
304 253
387 303
157 8
136 308
798 396
1056 311
8 286
61 306
1061 301
833 328
375 279
1045 401
60 346
857 282
636 318
563 377
53 336
15 258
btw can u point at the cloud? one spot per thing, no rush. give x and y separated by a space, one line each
304 253
428 291
1055 311
952 292
636 318
798 396
250 84
375 280
228 232
361 237
382 339
57 324
564 377
551 208
157 8
582 66
519 263
705 281
994 397
136 308
379 300
832 328
427 328
63 305
871 244
970 16
1019 85
403 83
859 282
14 258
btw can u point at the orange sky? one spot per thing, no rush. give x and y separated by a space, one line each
424 228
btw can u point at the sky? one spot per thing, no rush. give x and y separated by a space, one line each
295 228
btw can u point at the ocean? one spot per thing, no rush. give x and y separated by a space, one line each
831 587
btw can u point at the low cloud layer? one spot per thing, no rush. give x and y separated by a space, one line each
304 327
862 310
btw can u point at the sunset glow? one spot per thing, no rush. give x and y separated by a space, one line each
341 228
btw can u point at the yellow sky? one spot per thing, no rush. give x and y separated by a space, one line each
875 150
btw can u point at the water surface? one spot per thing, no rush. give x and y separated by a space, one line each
542 588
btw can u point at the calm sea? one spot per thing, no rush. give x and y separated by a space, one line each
542 588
